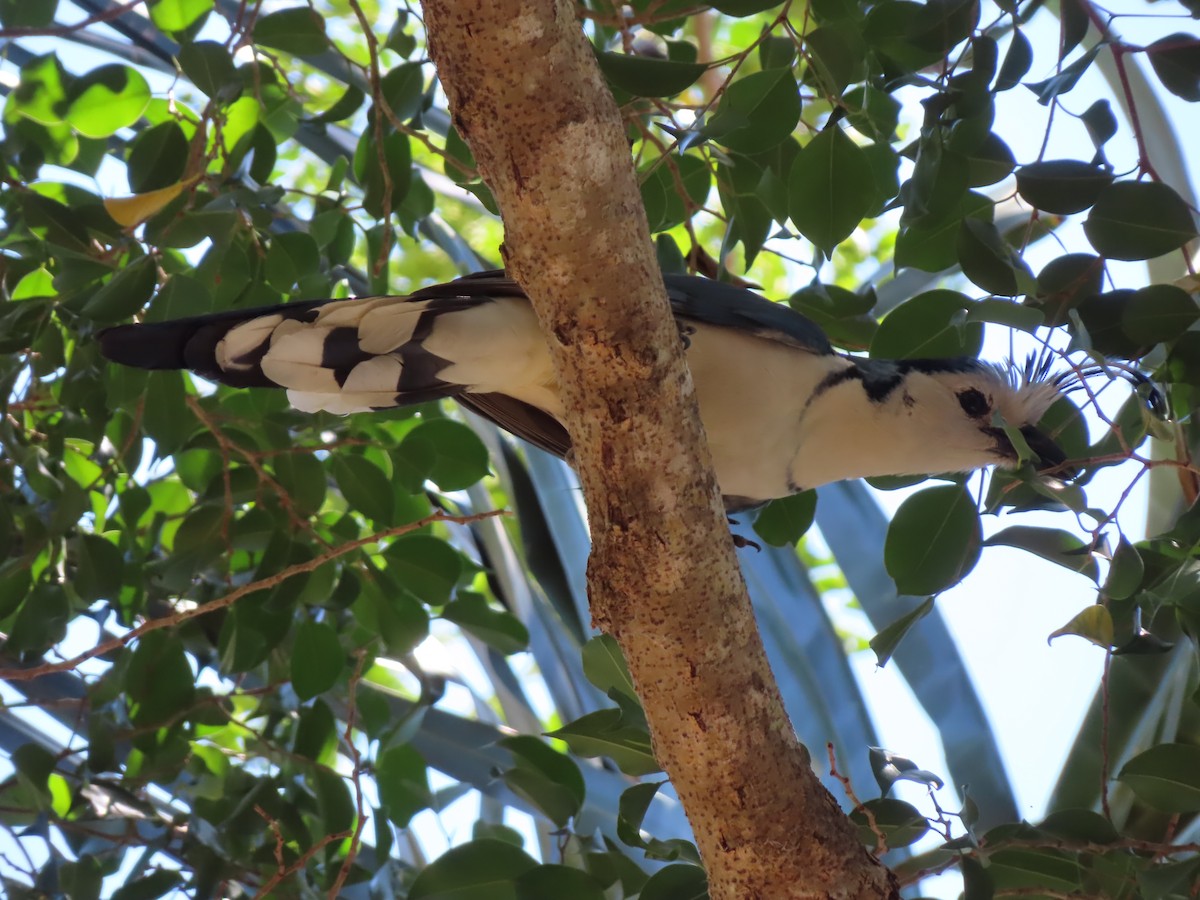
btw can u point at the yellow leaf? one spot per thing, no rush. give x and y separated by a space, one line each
133 211
1093 624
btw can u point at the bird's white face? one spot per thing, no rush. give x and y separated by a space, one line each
877 418
955 419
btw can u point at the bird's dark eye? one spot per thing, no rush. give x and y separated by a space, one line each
973 402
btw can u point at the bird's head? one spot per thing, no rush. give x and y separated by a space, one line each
983 413
987 412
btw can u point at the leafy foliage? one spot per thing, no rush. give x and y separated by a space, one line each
239 614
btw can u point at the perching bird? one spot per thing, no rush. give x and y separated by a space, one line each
783 411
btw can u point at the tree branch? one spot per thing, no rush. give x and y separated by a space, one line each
528 97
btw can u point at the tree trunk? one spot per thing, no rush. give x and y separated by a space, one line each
528 97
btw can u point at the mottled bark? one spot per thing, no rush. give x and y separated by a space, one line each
526 94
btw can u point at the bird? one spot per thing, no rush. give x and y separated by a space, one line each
783 411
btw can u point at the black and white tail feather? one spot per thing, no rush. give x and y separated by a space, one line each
782 410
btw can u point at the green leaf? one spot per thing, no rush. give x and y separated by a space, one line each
1176 62
1138 220
1093 624
605 667
1062 186
933 540
317 659
676 882
23 14
210 68
900 823
33 285
1065 283
123 294
157 157
99 569
756 112
1016 63
159 683
106 100
403 781
838 54
1064 81
1052 544
784 521
369 170
884 643
478 870
645 76
497 628
1125 572
41 621
988 260
742 8
929 326
1159 313
426 566
546 778
156 884
299 30
605 733
1166 879
831 188
673 190
403 88
458 458
551 881
178 15
1166 777
364 486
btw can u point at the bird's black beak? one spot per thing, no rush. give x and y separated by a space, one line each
1050 457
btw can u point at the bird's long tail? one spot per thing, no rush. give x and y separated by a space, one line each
352 355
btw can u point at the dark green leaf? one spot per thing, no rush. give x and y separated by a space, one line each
157 157
1059 547
830 188
1125 572
838 54
676 882
546 778
1100 122
900 823
742 8
1176 62
605 667
403 88
403 781
159 683
478 870
943 24
1066 282
988 261
210 67
459 458
99 569
785 521
605 733
1062 186
299 30
757 112
933 540
125 293
645 76
317 659
1064 81
884 643
1017 61
929 325
494 627
426 566
23 14
364 486
1159 313
156 884
1166 777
